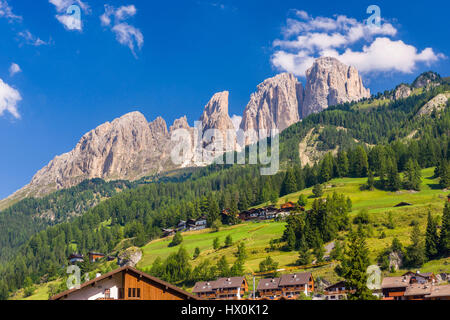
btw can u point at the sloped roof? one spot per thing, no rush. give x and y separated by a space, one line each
224 283
440 291
294 279
204 286
268 284
395 282
169 286
418 290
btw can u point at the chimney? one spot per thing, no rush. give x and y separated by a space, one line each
97 275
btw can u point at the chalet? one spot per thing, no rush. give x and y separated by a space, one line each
94 256
181 226
417 291
74 258
293 285
198 224
168 232
394 288
337 291
252 214
204 290
421 278
230 288
125 283
269 288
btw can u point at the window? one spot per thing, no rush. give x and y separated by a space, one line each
134 292
107 293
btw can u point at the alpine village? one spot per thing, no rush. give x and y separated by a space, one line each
359 209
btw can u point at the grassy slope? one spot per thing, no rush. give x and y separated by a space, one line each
378 203
257 235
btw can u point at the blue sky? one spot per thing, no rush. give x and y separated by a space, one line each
167 58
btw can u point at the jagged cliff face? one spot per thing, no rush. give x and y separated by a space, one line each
216 116
127 148
275 104
330 82
130 147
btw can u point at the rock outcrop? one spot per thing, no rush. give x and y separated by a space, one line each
330 82
438 103
215 116
130 148
427 79
403 91
275 104
129 257
126 148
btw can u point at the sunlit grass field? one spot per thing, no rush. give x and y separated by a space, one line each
257 235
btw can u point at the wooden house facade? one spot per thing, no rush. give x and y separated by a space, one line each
337 291
125 283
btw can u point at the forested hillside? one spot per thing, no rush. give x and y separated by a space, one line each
139 214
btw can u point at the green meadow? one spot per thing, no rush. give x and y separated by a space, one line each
257 235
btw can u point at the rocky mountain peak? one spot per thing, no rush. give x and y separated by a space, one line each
275 104
330 82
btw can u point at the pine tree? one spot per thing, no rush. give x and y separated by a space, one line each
216 244
223 267
228 241
393 178
370 181
289 183
291 239
317 190
342 164
444 237
354 265
445 176
412 179
415 253
177 239
431 238
304 257
361 162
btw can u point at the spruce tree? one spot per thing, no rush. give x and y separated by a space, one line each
444 237
431 238
289 183
415 253
304 257
445 176
342 164
354 265
370 181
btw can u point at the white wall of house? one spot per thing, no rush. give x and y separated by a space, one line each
98 290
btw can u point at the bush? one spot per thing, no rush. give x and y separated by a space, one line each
177 239
362 217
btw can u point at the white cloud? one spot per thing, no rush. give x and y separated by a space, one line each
9 97
62 5
307 38
6 11
237 120
14 69
31 39
70 19
126 34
